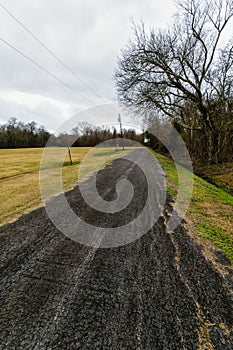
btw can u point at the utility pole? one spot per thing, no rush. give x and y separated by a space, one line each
119 120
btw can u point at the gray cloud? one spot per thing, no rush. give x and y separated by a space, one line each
87 35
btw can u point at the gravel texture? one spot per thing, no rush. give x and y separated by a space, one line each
158 292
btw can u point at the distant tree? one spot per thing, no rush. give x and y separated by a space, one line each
85 128
43 135
114 133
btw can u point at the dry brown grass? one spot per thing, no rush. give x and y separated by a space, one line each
19 180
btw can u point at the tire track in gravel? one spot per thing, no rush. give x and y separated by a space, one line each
158 292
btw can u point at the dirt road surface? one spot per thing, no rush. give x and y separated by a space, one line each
158 292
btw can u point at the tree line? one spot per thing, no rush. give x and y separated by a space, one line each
184 73
16 134
88 135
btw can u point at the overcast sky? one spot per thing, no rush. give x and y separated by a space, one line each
86 34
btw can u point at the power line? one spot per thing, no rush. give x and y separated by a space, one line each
53 75
51 52
56 57
46 71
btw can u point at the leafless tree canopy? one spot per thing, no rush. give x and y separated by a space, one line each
182 72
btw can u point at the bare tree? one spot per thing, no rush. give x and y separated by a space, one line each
167 70
85 128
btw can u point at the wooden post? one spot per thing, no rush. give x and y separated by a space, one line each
70 156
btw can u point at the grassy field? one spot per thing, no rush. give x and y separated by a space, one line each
211 209
19 176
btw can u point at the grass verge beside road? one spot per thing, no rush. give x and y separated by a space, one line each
220 175
211 208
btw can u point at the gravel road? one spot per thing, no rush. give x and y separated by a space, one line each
158 292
